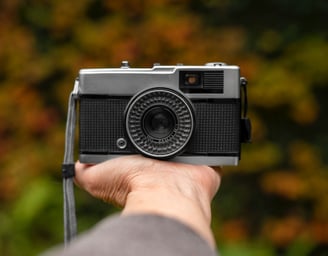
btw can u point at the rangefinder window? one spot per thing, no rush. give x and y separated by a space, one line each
201 82
191 79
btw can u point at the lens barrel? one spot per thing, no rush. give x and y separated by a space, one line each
159 122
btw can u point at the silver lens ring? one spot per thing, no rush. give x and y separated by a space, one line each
159 122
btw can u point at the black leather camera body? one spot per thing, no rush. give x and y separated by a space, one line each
190 114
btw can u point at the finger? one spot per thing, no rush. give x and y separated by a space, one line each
109 180
216 180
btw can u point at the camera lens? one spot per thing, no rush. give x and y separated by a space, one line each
159 122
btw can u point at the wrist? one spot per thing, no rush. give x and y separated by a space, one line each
169 202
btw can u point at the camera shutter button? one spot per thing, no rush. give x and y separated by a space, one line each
125 64
214 64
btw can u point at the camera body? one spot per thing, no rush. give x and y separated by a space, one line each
189 114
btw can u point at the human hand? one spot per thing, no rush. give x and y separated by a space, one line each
144 185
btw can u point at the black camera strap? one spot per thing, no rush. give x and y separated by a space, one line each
68 170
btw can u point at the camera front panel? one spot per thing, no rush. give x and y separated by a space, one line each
101 125
217 131
102 128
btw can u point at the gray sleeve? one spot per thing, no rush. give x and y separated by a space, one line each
138 235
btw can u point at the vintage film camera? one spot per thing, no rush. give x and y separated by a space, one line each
190 114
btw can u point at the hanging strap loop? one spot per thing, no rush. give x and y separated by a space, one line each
68 170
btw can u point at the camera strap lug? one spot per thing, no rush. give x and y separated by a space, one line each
246 130
245 122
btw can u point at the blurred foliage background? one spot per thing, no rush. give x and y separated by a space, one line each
274 203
